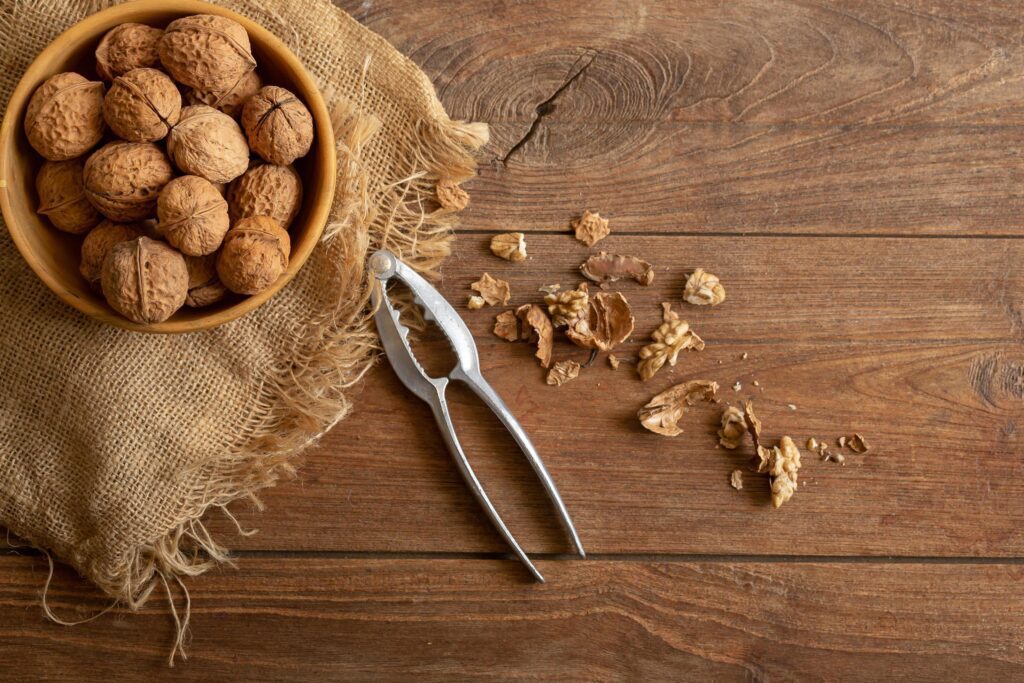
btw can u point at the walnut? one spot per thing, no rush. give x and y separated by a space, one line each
229 100
506 326
590 228
64 117
535 323
255 254
492 290
510 246
857 444
563 371
142 105
266 190
450 196
144 280
605 267
662 413
607 322
783 466
126 47
62 196
734 426
98 243
613 361
736 479
206 52
278 125
123 179
208 143
704 289
204 287
566 307
193 216
475 303
671 337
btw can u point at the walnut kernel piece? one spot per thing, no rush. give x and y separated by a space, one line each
704 289
662 413
266 190
607 322
278 125
590 228
613 361
535 322
510 246
563 371
62 197
123 179
204 287
736 479
230 100
64 117
142 105
98 243
783 467
565 307
605 267
857 444
208 143
126 47
450 196
506 326
206 52
734 426
193 216
475 303
255 254
671 337
144 280
492 290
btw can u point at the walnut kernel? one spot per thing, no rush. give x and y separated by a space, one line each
98 243
734 426
671 337
506 326
450 196
126 47
492 290
704 289
254 255
266 190
783 467
208 143
278 125
193 216
64 117
736 479
590 228
123 179
142 105
62 196
510 246
563 371
206 52
144 280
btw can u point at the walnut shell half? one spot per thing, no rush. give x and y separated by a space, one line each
126 47
62 197
266 190
208 143
193 216
254 255
206 52
123 179
142 105
64 117
278 125
144 280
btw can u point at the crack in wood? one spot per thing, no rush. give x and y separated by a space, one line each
548 105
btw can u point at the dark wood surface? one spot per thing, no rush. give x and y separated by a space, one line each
854 171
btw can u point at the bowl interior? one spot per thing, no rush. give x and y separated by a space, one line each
54 255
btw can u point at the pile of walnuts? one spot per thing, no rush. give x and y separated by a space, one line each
191 190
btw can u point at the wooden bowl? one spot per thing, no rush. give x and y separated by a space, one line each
54 255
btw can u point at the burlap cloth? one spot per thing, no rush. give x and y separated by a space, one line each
113 445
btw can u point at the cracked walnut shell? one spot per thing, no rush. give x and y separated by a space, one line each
98 243
123 179
605 267
510 246
704 289
193 216
266 190
607 322
144 280
208 143
206 52
142 105
204 287
278 125
254 255
535 322
64 117
671 337
62 196
229 100
126 47
563 371
662 413
590 228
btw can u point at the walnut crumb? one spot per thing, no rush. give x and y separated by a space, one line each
510 246
613 361
590 228
475 302
858 444
736 479
563 371
738 387
671 337
492 290
756 383
743 356
704 289
791 406
841 441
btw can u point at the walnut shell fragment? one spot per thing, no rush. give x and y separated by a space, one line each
492 290
671 337
254 255
142 105
662 413
734 426
590 228
567 306
857 444
754 429
563 371
144 280
506 326
450 195
208 143
703 289
510 246
62 196
784 464
193 216
278 125
98 243
266 190
605 267
123 179
535 323
64 117
126 47
204 287
229 100
607 322
206 52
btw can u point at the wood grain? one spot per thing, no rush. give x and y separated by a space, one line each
310 618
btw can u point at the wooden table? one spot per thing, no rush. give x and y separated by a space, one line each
854 171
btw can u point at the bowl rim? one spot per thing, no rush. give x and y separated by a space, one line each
319 211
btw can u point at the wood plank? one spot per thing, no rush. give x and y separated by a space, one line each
307 618
914 343
743 117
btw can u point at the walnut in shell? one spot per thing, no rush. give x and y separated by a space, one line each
704 289
123 179
266 190
510 246
206 52
230 100
278 125
144 280
193 216
254 255
142 105
62 196
204 287
64 117
208 143
98 243
126 47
